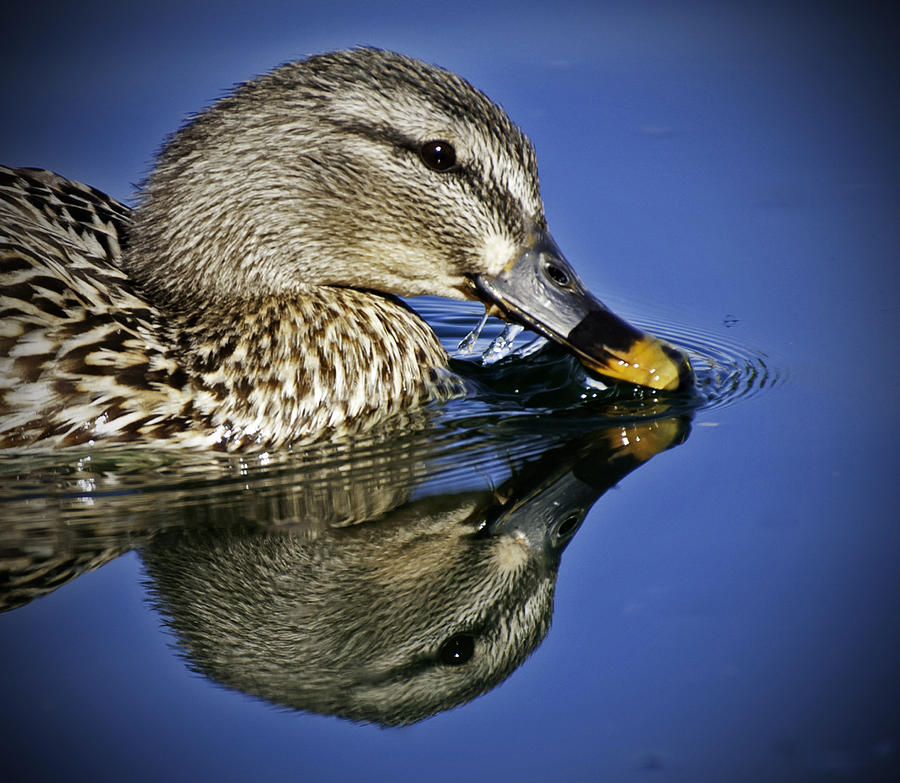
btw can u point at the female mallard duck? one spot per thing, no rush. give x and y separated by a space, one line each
250 300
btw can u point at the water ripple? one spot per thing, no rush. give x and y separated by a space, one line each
726 369
518 407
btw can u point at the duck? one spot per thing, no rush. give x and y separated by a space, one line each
357 592
254 297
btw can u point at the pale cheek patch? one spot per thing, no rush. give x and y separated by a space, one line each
511 553
523 188
496 254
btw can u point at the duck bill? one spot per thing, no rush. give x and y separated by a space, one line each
540 290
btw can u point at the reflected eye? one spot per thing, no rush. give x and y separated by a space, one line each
457 650
438 155
557 275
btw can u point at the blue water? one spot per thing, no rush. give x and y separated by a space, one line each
726 177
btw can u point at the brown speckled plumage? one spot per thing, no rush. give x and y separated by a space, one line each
250 300
84 357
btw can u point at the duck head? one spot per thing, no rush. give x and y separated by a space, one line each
399 617
372 170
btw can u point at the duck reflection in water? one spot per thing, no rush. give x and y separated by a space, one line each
396 618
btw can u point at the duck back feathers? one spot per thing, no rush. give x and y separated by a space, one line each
75 337
250 300
85 357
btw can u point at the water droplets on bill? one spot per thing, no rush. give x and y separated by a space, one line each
502 345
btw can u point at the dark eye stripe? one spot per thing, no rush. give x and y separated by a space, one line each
470 174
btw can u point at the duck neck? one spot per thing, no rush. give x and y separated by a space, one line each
273 370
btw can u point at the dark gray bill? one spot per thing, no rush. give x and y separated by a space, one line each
540 290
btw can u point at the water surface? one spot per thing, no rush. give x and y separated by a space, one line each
723 568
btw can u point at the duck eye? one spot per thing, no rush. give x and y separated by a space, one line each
438 155
557 275
457 650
